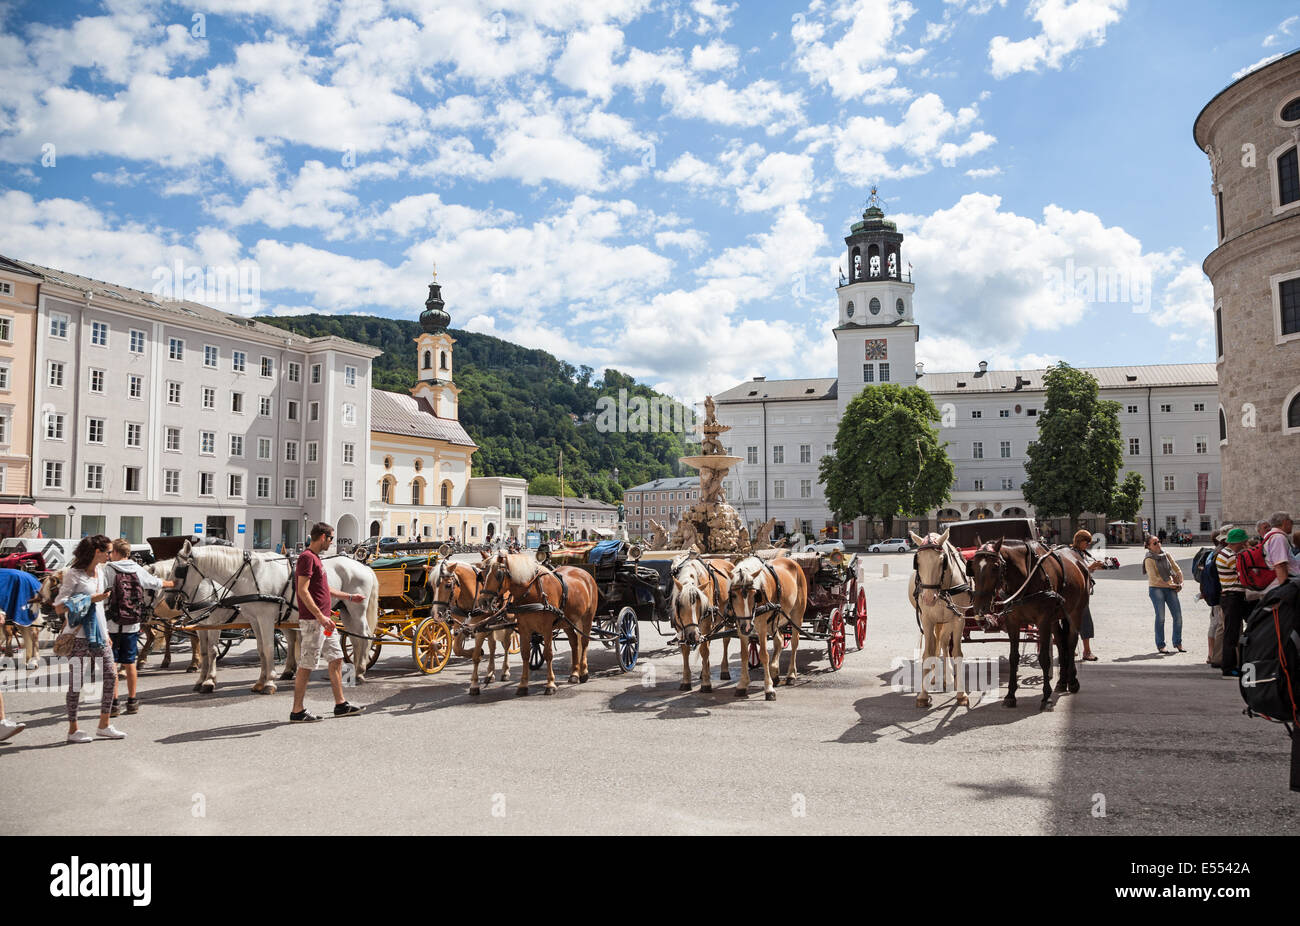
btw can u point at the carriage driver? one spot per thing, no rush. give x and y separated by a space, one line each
316 628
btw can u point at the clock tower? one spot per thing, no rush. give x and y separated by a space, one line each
875 333
433 357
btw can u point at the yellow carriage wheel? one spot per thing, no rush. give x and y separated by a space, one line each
514 642
431 645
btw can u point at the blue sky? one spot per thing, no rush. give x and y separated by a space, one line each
662 187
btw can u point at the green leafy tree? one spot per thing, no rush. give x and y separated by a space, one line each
544 484
1126 501
1073 465
888 461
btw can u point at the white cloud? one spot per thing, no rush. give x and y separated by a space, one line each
856 65
863 144
979 173
1283 29
716 56
1268 59
1066 26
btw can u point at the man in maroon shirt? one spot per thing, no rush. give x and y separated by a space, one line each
316 629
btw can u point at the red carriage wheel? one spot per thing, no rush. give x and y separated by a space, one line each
860 619
835 644
755 655
787 634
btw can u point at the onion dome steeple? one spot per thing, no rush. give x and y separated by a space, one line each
435 318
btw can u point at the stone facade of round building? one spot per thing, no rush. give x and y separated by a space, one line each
1251 134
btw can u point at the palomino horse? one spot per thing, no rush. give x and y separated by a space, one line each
1026 583
211 580
455 591
699 597
940 595
541 598
763 596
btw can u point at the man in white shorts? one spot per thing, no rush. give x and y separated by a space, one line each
316 629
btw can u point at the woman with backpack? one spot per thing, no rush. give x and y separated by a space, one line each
1164 581
81 598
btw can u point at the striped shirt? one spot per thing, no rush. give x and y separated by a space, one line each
1226 562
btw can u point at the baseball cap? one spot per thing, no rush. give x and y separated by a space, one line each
1236 535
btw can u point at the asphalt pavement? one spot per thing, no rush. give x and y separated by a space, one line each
1151 744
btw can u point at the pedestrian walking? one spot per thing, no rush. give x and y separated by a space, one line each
125 608
1080 544
316 627
81 599
1165 581
1232 599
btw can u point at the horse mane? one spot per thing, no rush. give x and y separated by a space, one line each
747 570
523 567
164 568
230 557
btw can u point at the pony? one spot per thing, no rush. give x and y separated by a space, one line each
763 596
940 595
454 587
541 599
700 588
208 575
1049 592
360 619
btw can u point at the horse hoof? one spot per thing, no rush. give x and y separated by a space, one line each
962 699
1074 686
473 692
704 688
190 669
685 686
548 690
521 692
573 679
286 676
1060 686
742 693
583 678
1009 701
197 688
769 696
725 676
923 701
1045 704
208 687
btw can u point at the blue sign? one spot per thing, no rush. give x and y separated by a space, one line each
239 528
534 539
198 528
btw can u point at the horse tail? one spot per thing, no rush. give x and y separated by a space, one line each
372 605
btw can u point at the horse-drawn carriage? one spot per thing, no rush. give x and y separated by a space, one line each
968 537
834 602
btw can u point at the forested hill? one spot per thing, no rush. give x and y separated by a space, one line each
520 406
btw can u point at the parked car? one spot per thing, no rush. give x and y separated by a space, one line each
56 551
824 546
892 545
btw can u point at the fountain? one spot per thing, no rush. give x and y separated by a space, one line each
711 525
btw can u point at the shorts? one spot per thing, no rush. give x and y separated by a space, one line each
314 645
126 647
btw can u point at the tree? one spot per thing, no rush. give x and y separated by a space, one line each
1126 501
544 484
1073 465
888 460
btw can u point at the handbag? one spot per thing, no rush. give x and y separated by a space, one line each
63 643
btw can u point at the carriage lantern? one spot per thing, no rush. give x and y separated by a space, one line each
543 553
445 550
634 552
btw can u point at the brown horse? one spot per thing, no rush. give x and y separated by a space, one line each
700 588
1023 583
764 596
541 599
455 590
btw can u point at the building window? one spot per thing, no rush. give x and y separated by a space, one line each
805 488
137 341
1288 292
315 373
172 481
1293 412
1132 409
347 490
294 372
209 355
1004 449
349 376
264 448
976 413
1008 484
290 489
238 361
175 349
349 413
778 488
778 453
1134 446
94 430
234 485
264 408
236 445
868 372
313 451
1166 445
4 375
59 328
95 477
1223 428
313 411
173 393
97 382
134 387
1169 483
884 372
206 483
209 397
208 443
1166 409
1288 178
753 488
53 474
268 368
99 334
54 427
751 455
310 488
805 453
263 486
237 403
56 374
132 481
977 450
417 493
134 434
291 451
979 485
291 411
349 453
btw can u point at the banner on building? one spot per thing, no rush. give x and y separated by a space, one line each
846 530
1202 490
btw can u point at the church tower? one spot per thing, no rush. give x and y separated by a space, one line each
433 357
875 333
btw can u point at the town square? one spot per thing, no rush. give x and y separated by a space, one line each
652 418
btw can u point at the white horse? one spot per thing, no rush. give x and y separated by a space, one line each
206 575
937 587
700 588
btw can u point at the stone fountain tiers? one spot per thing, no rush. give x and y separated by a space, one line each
711 461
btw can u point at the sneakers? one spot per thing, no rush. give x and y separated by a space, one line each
303 716
132 706
346 710
8 728
109 732
81 736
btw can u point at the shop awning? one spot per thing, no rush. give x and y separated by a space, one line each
22 511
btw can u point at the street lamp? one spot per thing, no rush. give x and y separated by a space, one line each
72 513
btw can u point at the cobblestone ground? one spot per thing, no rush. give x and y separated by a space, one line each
1151 744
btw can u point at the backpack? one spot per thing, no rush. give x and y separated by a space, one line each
1269 652
125 600
1211 586
1252 570
1203 556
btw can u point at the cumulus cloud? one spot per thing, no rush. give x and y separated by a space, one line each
865 146
858 64
1283 32
1065 26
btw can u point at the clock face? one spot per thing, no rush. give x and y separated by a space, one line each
877 349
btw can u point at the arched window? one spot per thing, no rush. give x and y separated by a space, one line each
1288 177
445 495
1223 427
417 492
386 490
900 308
1291 111
374 528
874 306
442 360
893 264
857 264
1293 412
873 260
428 360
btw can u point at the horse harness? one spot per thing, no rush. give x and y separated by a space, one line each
944 592
714 611
1010 603
223 599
